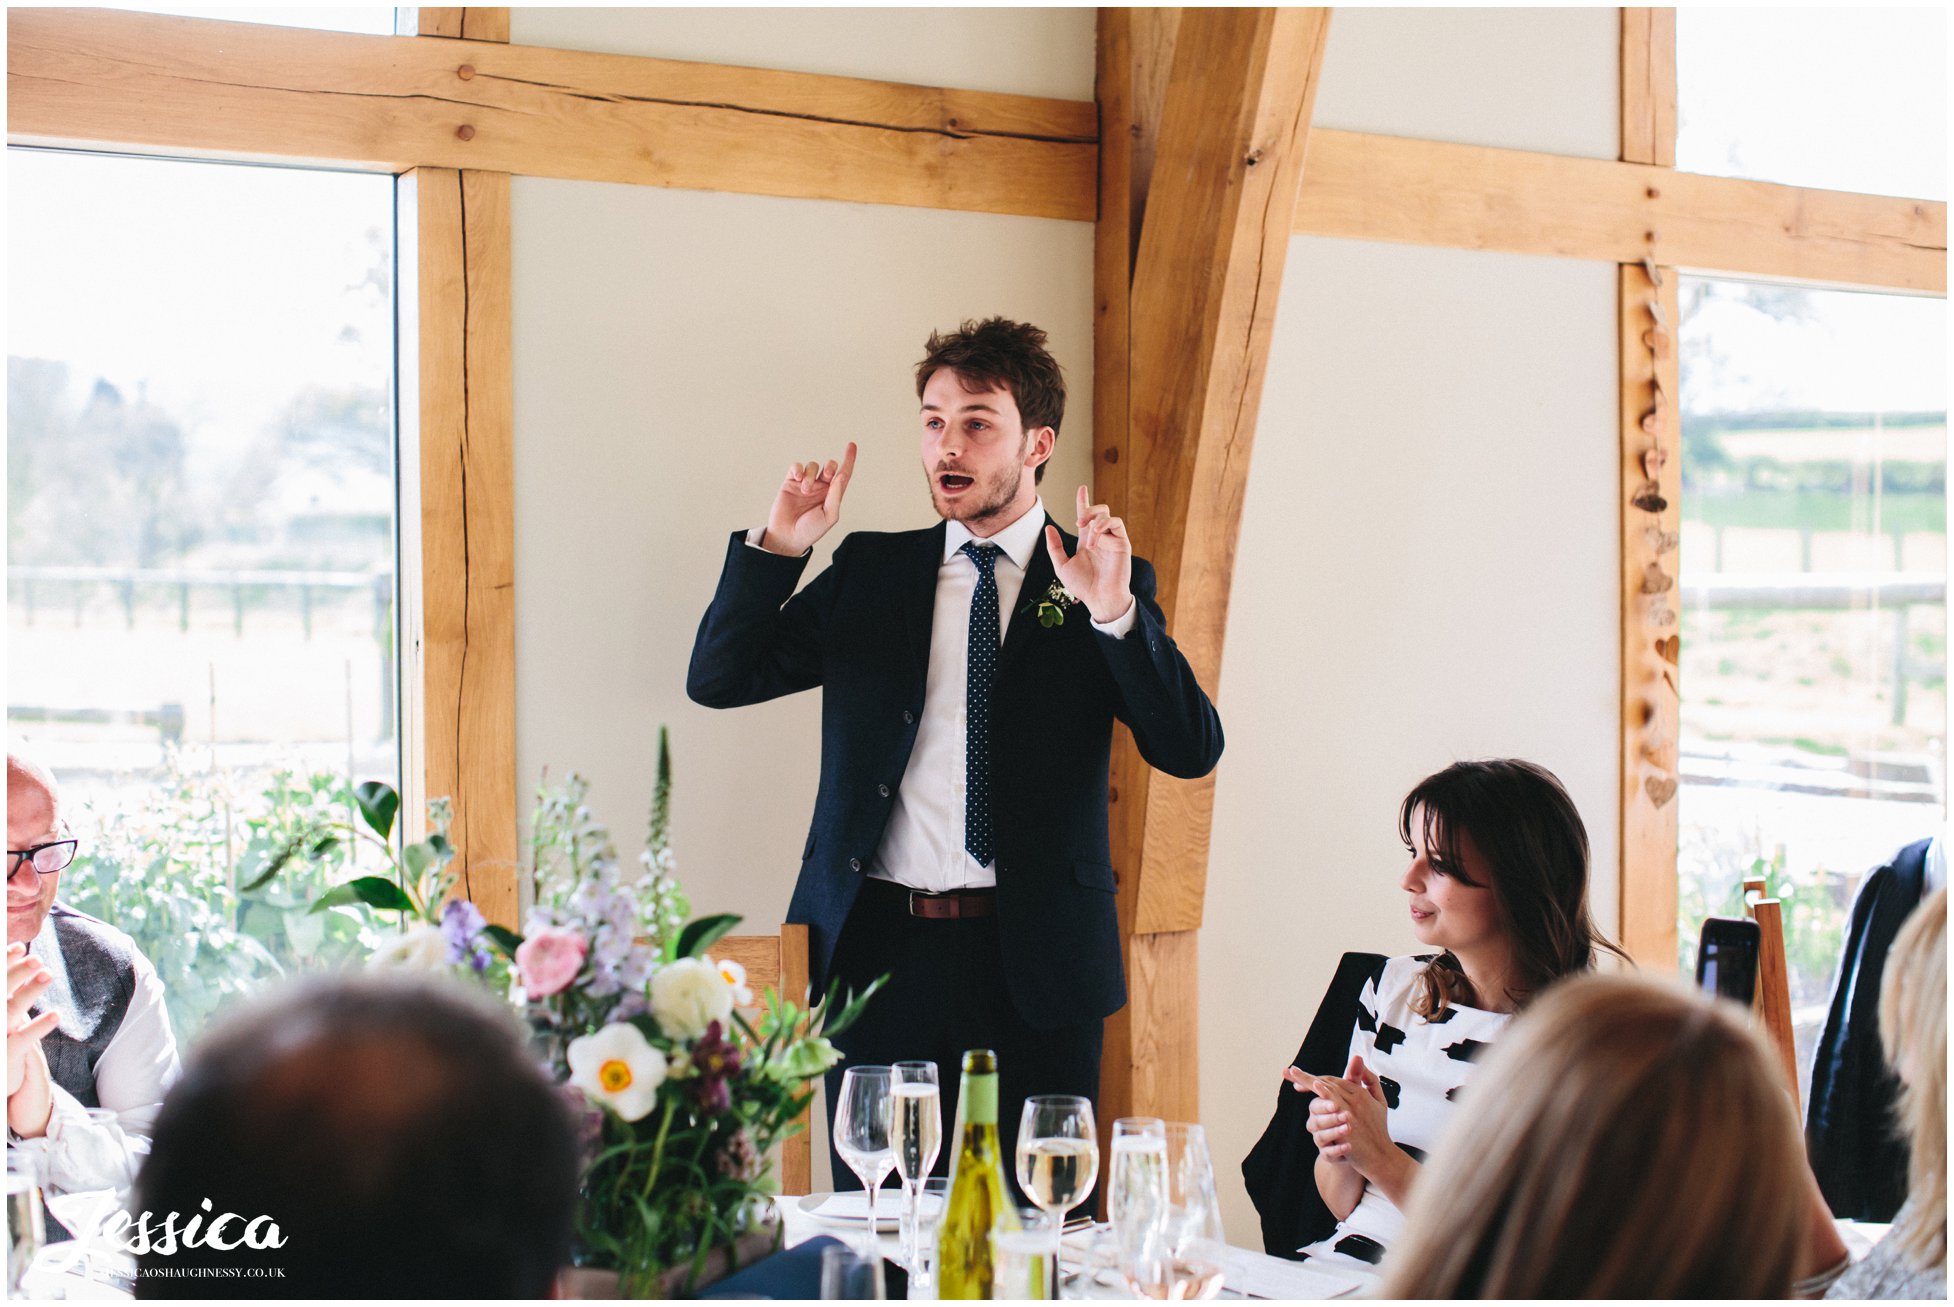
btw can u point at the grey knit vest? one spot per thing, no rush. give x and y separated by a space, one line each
93 965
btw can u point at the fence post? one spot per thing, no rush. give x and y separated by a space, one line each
1900 665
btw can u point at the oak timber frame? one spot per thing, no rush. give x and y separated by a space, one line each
456 110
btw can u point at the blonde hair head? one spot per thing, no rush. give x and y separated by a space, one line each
1606 1122
1913 1026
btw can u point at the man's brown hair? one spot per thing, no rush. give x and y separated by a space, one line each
998 354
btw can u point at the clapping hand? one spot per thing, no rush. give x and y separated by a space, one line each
27 979
1349 1123
1100 574
809 503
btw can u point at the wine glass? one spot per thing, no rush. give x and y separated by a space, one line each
1058 1153
862 1131
916 1132
1137 1198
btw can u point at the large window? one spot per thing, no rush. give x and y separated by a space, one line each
1814 603
201 492
1843 99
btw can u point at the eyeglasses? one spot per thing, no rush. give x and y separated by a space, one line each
47 859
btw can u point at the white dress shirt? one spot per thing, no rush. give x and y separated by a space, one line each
79 1152
922 846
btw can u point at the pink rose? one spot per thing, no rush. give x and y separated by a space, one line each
549 960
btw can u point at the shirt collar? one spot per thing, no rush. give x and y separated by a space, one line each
1018 541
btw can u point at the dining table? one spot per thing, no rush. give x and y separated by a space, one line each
1246 1273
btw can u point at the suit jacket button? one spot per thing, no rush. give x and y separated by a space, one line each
882 790
908 718
854 864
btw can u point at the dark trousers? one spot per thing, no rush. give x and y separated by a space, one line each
946 994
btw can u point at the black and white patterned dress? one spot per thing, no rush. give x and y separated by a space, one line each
1422 1066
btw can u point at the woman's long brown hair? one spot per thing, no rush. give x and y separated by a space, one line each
1525 828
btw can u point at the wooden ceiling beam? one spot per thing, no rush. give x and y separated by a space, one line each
1389 188
194 87
205 88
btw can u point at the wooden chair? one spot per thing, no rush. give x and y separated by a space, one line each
777 962
1772 1000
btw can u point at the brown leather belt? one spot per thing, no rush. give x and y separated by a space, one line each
954 905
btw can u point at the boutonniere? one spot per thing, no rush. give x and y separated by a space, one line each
1050 608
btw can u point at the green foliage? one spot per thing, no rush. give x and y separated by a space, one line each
167 870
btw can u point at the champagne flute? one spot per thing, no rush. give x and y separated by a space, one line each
862 1131
916 1130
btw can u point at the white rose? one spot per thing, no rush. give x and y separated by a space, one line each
424 948
688 995
619 1068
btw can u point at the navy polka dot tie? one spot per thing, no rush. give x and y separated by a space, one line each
977 704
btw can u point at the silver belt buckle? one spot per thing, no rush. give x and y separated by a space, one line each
912 902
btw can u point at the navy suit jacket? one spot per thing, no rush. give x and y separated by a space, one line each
861 631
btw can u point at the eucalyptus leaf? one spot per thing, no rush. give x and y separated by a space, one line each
703 933
374 891
415 858
379 805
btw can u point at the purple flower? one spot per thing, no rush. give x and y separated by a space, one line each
462 924
715 1060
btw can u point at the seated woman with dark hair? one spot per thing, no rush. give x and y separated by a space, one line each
1629 1138
1498 883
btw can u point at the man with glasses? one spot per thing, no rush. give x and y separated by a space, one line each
89 1047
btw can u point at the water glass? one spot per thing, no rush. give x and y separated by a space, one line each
1024 1259
26 1226
1180 1255
862 1119
916 1133
848 1274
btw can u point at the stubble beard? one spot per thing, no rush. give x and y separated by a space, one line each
982 503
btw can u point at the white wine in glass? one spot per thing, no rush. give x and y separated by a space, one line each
1058 1155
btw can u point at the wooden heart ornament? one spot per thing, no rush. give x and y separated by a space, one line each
1670 647
1661 789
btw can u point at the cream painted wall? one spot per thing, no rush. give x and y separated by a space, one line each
1427 572
1519 79
1025 51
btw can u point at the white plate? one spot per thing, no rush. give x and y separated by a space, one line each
851 1209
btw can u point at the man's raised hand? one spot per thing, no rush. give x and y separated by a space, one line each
1100 575
809 503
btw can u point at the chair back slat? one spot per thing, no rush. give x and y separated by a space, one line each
1772 1000
777 962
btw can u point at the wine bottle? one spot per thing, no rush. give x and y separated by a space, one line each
978 1199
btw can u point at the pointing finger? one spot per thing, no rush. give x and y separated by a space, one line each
1085 503
838 484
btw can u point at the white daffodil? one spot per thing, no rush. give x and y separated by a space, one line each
735 977
424 948
688 995
619 1068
